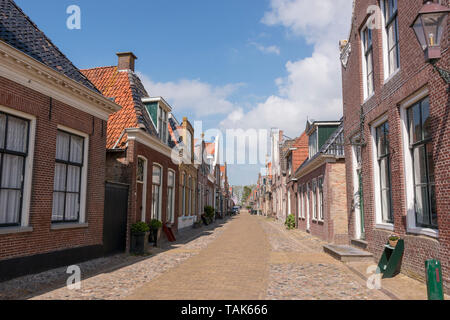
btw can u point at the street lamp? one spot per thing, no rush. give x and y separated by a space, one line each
429 26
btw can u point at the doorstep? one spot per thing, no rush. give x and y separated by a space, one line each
361 244
346 253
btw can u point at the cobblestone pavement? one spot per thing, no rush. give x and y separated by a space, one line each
112 277
300 270
246 258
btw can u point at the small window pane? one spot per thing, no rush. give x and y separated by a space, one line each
73 179
62 146
420 165
156 175
422 206
9 206
417 125
434 221
72 206
2 130
59 183
76 150
140 170
430 161
17 135
426 120
171 179
12 171
58 206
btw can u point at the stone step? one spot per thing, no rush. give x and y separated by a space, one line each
361 244
346 253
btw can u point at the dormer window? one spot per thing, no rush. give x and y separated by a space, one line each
313 144
159 110
162 124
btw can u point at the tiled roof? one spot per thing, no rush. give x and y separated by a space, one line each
126 89
17 30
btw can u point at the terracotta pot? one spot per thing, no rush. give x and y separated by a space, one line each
393 243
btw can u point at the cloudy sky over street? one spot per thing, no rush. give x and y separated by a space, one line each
231 63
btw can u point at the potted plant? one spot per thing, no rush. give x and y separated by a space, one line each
155 227
139 234
393 240
209 213
290 222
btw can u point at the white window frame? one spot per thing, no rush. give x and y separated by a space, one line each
144 187
300 201
357 210
384 35
84 172
366 95
161 184
376 175
408 168
320 202
172 214
314 199
28 177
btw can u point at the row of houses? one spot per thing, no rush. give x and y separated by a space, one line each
84 154
382 169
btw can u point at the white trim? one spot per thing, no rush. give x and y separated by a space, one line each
143 137
84 173
66 226
21 68
28 178
161 185
386 76
385 226
377 172
408 168
363 65
174 192
144 187
357 211
13 230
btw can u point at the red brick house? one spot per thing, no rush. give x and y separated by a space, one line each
295 156
52 153
397 134
320 184
138 148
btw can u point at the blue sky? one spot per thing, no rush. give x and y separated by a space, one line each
226 62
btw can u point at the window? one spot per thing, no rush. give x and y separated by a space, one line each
391 33
419 126
156 192
313 144
189 197
367 62
384 168
68 176
171 196
320 196
163 124
307 192
141 170
14 139
300 202
314 199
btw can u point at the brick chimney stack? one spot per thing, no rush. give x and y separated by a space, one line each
126 61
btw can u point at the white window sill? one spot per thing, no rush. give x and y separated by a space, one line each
391 76
385 226
12 230
66 226
424 231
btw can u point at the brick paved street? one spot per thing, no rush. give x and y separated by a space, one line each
248 257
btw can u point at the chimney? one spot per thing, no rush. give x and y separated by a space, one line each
126 61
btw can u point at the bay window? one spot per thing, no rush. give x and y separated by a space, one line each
421 148
68 177
14 140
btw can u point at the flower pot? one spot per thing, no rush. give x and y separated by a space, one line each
155 236
393 243
139 244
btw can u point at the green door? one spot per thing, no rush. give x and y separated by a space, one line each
361 205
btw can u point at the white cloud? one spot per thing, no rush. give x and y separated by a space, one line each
312 87
200 98
268 49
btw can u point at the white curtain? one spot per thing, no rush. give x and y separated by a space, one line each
10 199
17 135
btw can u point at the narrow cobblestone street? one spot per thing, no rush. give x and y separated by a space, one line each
248 257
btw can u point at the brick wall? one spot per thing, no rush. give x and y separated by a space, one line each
414 74
42 239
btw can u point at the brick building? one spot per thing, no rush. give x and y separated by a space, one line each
52 153
397 134
320 184
138 149
295 156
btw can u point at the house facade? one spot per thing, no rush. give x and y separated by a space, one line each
52 153
396 130
138 145
320 184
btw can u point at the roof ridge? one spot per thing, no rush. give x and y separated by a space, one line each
97 68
